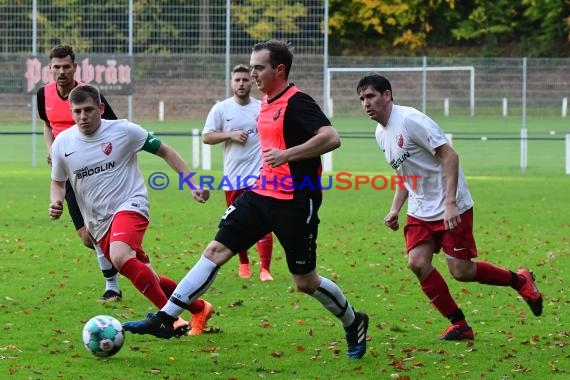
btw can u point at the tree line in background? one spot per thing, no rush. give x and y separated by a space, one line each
532 28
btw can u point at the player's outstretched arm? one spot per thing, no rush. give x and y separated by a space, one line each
176 162
57 194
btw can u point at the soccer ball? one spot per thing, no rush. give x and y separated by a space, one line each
103 336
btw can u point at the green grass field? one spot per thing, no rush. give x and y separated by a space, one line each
268 330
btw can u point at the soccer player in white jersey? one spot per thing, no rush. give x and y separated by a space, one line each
99 157
233 123
440 207
54 110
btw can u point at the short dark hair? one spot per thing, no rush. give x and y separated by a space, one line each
83 92
377 81
241 68
280 52
62 51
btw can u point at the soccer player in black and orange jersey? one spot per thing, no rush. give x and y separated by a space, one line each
55 111
285 200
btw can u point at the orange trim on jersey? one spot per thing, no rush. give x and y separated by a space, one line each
58 110
274 182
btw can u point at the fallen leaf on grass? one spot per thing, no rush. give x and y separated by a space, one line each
236 303
398 364
521 368
207 349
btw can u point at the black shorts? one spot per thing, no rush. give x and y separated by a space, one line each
295 223
73 207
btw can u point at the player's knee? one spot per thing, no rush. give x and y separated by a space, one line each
119 253
461 274
305 289
419 259
417 266
217 253
307 283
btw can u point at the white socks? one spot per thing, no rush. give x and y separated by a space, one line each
192 286
109 272
333 299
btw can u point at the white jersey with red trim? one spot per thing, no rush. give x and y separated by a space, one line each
103 171
409 141
241 161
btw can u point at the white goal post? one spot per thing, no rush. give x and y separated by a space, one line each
327 101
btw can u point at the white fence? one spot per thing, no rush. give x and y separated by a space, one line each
328 101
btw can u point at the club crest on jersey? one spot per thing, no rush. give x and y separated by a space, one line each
277 114
400 141
107 148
